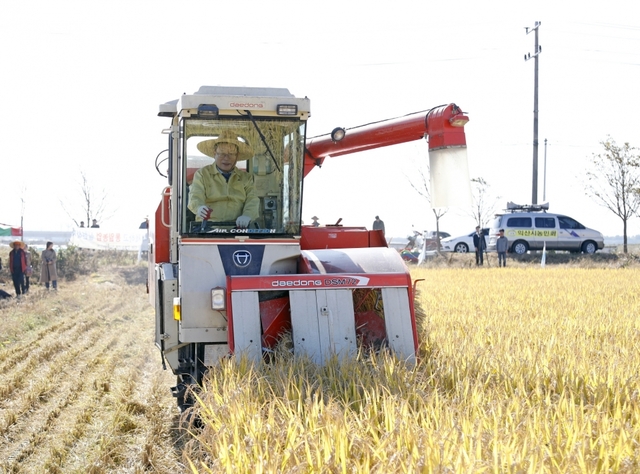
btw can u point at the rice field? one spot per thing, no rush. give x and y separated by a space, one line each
81 385
522 370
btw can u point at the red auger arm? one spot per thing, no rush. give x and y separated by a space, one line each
444 126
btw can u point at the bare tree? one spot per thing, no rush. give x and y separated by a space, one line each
91 205
484 204
422 188
614 181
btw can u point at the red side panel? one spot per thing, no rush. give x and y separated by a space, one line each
314 238
376 239
162 236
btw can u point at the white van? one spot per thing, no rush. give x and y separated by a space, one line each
531 227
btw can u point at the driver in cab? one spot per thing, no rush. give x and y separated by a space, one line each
220 192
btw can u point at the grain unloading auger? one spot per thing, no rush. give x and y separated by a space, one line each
219 289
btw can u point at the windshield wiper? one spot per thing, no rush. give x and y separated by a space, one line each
264 140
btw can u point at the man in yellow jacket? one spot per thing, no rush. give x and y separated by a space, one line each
220 191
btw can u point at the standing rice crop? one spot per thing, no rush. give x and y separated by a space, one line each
520 370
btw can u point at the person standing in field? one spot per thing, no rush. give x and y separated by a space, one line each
502 244
49 273
480 245
378 224
28 271
17 266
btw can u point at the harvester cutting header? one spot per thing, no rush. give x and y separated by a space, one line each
232 268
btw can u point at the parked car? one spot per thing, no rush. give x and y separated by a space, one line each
416 240
531 228
463 243
432 235
430 240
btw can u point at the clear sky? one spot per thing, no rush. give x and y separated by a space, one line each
81 83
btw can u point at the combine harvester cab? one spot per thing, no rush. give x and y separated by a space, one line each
221 289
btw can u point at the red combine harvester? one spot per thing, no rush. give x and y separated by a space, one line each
222 288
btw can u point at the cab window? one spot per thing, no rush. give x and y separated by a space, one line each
273 156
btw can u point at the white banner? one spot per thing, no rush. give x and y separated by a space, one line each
102 239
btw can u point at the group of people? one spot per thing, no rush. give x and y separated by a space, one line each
94 224
22 270
480 245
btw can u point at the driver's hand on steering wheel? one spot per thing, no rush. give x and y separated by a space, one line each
243 222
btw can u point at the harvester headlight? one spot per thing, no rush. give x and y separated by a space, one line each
338 134
177 309
218 299
208 111
287 109
459 120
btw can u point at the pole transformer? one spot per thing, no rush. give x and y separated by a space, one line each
537 51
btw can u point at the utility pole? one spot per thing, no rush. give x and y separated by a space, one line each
537 51
544 186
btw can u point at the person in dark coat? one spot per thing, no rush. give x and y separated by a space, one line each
378 224
480 245
17 266
49 272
